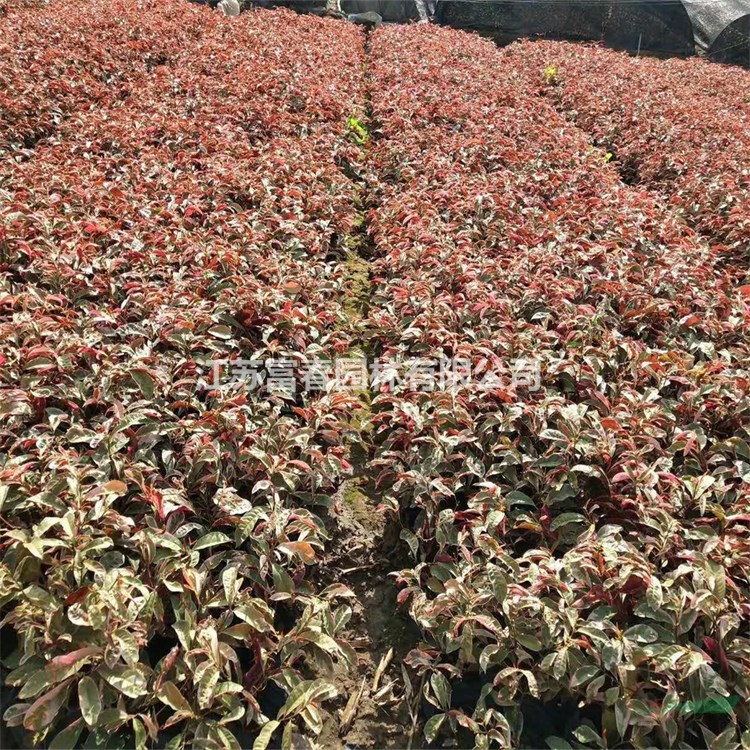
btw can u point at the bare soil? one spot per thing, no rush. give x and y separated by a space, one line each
365 548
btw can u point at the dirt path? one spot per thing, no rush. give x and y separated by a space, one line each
371 710
365 549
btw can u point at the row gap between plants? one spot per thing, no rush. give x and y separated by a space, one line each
366 546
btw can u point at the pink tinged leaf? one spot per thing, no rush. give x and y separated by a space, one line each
44 709
58 667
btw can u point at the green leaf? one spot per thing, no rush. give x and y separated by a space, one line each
144 381
485 658
128 680
139 731
323 641
641 634
622 717
583 674
90 700
128 646
499 583
716 704
282 582
442 689
554 435
170 694
727 740
176 743
304 694
43 710
68 738
432 727
229 581
286 736
587 736
227 738
34 685
565 519
13 715
211 540
262 740
253 615
228 688
655 594
221 332
206 686
529 641
411 540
